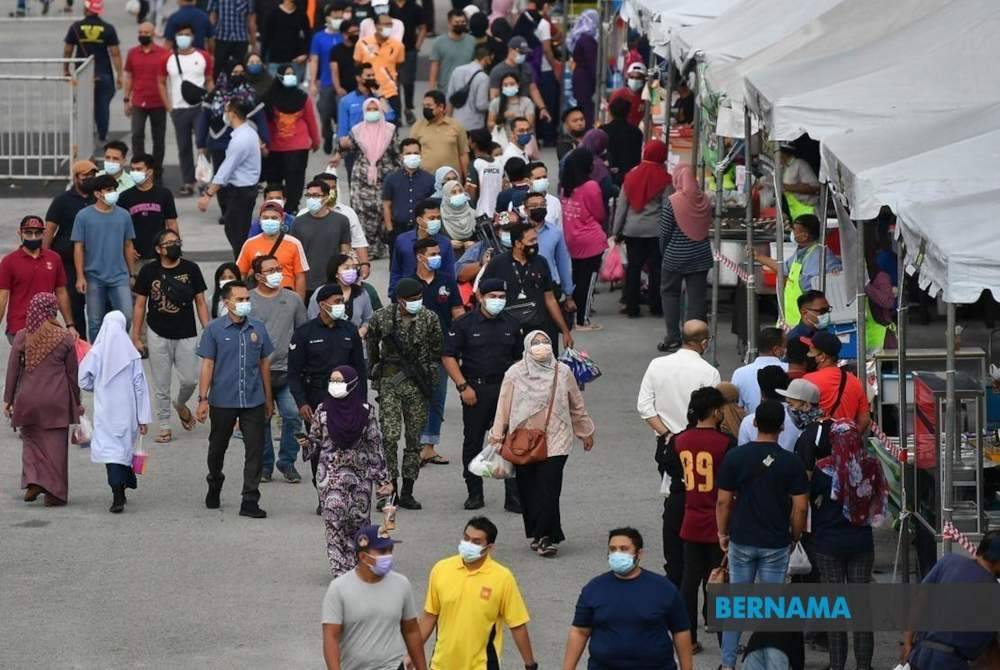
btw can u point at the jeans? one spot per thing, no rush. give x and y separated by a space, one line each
640 251
435 410
104 91
746 565
290 424
158 128
184 121
696 285
98 295
223 419
327 107
766 659
584 279
164 356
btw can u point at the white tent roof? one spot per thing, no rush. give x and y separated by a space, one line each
940 63
661 18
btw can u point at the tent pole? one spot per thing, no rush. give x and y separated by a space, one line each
696 136
950 425
602 61
901 315
717 268
861 301
647 120
748 220
671 78
824 193
779 235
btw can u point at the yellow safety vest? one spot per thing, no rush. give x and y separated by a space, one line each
796 207
875 332
792 289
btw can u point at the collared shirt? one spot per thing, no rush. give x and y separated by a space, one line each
236 348
809 258
442 142
232 22
23 276
144 68
667 385
745 379
404 190
404 261
315 350
440 296
468 605
350 112
242 164
484 346
552 247
787 438
385 58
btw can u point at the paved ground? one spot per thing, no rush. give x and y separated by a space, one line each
170 584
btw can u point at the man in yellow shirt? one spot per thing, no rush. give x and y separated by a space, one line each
468 596
443 140
385 54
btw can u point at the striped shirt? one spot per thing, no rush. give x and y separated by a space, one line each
680 252
232 21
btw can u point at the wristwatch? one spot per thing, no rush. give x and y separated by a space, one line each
461 387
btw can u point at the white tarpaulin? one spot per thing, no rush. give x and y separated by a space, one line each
659 18
943 62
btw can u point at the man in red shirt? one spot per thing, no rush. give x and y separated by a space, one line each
841 394
142 94
28 270
635 81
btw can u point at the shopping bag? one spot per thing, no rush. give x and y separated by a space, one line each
665 485
82 347
798 562
489 464
203 169
613 267
139 459
82 433
585 370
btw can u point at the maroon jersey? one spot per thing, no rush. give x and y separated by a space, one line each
700 451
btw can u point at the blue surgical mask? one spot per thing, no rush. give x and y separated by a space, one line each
620 562
434 262
242 309
382 565
540 185
112 167
458 200
290 80
137 176
469 551
433 227
337 312
411 161
495 305
519 58
184 41
523 139
111 197
505 239
314 204
270 226
414 306
255 68
510 91
273 280
823 321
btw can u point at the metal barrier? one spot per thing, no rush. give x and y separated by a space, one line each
46 116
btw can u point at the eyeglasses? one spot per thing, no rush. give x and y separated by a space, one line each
822 310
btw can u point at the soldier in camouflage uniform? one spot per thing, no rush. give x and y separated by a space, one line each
401 400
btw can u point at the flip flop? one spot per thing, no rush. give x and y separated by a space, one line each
164 437
436 459
184 414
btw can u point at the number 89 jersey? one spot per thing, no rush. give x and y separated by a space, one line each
701 451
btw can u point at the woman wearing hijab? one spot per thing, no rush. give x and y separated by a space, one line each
213 131
373 143
584 216
524 403
596 140
345 431
848 496
582 43
687 255
637 222
442 175
291 124
457 216
732 413
42 399
112 369
258 76
499 34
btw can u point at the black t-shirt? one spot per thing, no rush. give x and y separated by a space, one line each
440 296
764 478
149 211
361 12
412 16
92 36
831 531
685 109
809 448
166 319
525 283
62 212
343 56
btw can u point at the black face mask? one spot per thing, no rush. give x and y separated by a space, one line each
458 30
145 40
428 113
578 133
173 252
32 245
371 84
531 250
538 215
237 80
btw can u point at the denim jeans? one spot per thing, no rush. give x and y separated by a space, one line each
747 565
98 295
766 659
435 410
104 91
290 424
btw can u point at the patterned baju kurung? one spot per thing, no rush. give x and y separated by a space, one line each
366 198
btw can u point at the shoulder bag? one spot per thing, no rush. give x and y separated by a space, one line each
461 96
523 446
191 92
176 291
840 393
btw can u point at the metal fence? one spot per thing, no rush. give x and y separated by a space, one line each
46 116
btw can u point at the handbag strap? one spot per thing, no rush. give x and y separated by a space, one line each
277 241
552 397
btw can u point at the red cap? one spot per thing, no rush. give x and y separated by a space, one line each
32 221
271 205
94 6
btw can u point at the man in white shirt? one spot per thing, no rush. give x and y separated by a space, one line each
773 384
798 177
520 136
368 26
539 176
665 392
771 345
185 64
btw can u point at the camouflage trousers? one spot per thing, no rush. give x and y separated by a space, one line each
399 405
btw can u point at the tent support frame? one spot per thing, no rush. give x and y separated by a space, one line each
748 220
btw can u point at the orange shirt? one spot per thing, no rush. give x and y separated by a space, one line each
290 255
853 401
384 59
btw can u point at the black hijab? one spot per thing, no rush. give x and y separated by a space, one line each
284 99
577 167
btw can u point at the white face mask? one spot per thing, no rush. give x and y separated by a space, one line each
273 280
540 352
333 24
385 32
184 41
337 389
112 167
411 161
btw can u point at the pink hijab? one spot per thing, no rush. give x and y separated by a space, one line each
692 208
373 139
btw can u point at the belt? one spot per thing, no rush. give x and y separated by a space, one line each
483 381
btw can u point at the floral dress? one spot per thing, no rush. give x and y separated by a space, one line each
345 478
366 199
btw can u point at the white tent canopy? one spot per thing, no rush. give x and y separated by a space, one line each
661 18
938 64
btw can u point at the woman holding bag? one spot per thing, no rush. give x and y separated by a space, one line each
541 393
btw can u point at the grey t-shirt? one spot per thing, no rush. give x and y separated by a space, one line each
281 315
321 238
370 615
450 54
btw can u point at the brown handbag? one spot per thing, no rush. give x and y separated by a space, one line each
720 575
523 446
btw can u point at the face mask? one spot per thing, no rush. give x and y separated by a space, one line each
531 250
433 227
433 262
112 167
414 306
505 239
242 309
803 417
540 185
255 68
184 41
578 133
636 84
382 565
371 84
334 24
110 198
137 176
540 352
495 305
290 80
823 321
32 245
337 389
428 113
411 161
519 58
458 200
469 552
620 562
145 40
538 215
510 91
173 252
237 80
459 30
337 312
349 276
373 116
386 32
523 139
314 204
270 226
273 280
380 10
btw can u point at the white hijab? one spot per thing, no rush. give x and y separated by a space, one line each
113 350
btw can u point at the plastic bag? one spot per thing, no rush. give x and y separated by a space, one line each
82 347
798 562
82 433
489 464
203 169
139 458
902 666
613 267
133 7
665 485
583 366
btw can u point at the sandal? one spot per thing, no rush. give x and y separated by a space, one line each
185 415
164 437
436 459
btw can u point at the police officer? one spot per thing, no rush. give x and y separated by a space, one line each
317 347
479 348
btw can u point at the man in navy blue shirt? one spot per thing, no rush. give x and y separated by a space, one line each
633 618
235 385
403 263
814 313
404 188
190 14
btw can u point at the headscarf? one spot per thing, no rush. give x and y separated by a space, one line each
532 383
858 480
217 292
732 413
459 222
346 418
42 334
692 208
225 92
577 169
373 139
112 348
439 180
587 24
286 100
499 26
596 140
649 178
261 82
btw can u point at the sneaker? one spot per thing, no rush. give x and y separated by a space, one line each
475 501
252 510
546 549
589 327
290 474
266 477
410 118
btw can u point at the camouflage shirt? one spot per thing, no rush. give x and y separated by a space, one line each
421 337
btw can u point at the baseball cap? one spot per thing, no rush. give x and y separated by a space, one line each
636 67
83 167
94 6
800 389
519 43
373 537
271 205
32 221
329 290
824 342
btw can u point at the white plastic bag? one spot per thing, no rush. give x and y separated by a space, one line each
489 464
83 432
203 169
798 562
133 7
902 666
665 485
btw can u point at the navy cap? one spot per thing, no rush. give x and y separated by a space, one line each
409 288
327 291
492 284
373 537
824 342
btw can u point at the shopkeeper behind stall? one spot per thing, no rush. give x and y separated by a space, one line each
798 183
802 266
